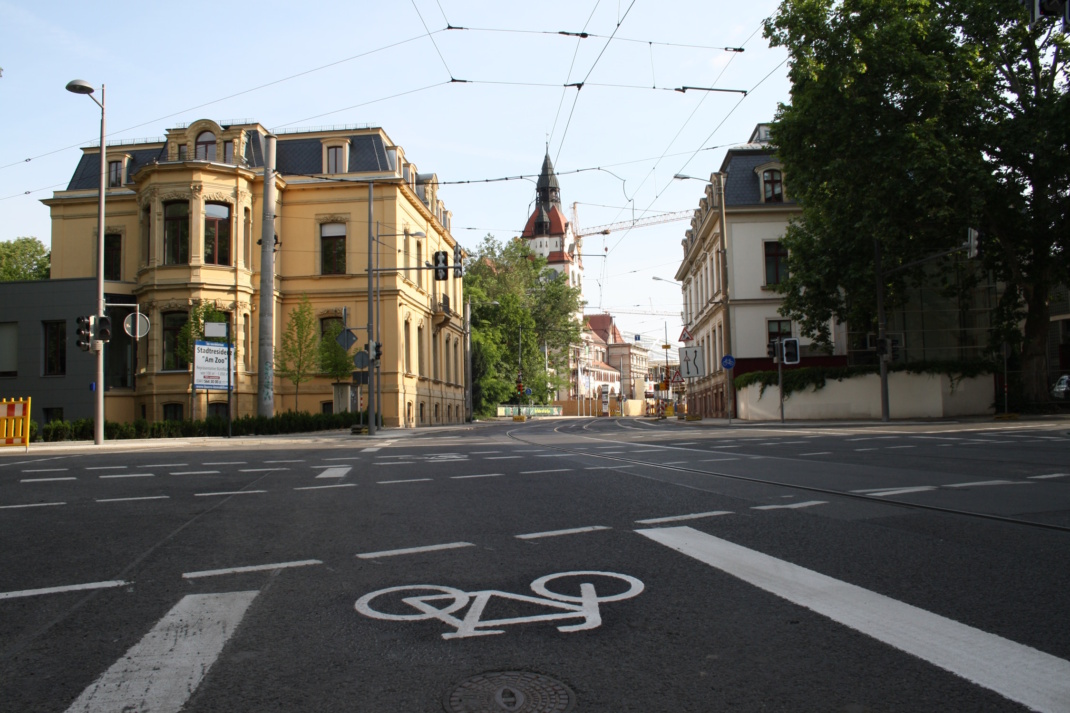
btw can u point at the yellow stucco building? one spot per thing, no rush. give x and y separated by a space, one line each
183 223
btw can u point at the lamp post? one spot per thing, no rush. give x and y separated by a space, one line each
80 86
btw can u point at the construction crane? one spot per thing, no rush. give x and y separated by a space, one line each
628 224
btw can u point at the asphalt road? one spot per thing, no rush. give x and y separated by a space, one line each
576 564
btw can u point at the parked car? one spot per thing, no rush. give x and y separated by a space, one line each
1061 390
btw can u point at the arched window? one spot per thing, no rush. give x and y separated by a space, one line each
773 186
205 147
217 234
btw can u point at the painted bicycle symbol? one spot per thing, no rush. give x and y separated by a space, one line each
431 601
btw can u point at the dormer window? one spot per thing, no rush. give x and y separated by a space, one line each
228 152
336 156
334 159
772 186
115 174
205 147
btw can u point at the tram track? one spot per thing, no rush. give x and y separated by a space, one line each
861 497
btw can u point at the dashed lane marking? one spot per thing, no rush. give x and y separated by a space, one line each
481 475
254 568
300 460
503 457
367 450
608 467
231 492
129 475
46 480
817 453
105 467
558 533
409 480
678 518
324 487
225 462
195 472
60 590
126 500
552 470
884 492
414 550
46 470
982 483
353 457
29 505
166 465
1049 475
261 470
792 506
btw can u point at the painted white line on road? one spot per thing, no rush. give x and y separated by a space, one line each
352 457
503 457
792 506
726 446
129 475
225 462
125 500
324 487
29 505
888 448
554 455
414 550
902 491
678 518
261 470
817 453
1049 475
558 533
482 475
105 467
648 450
980 483
859 450
232 492
686 443
253 568
60 590
365 450
1020 673
167 465
46 470
337 472
411 480
608 467
161 672
46 480
552 470
196 472
945 445
299 460
610 453
398 462
482 453
716 460
675 462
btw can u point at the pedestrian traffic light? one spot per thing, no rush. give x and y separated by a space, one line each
790 348
104 328
378 351
442 265
458 257
519 388
84 332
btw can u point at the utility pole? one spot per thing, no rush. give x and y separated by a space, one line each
372 424
882 327
266 341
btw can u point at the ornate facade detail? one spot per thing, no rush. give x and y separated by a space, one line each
219 198
146 198
174 196
329 312
196 189
334 218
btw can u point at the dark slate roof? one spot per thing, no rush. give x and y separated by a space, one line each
301 155
743 186
87 174
254 150
547 177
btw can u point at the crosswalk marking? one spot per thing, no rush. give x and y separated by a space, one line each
1020 673
161 672
335 472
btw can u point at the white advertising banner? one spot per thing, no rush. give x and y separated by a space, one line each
210 366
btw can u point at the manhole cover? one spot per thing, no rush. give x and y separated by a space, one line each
512 691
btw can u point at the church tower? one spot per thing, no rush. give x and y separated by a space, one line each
547 231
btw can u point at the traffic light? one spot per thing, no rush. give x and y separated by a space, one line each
442 265
371 348
882 348
790 347
519 388
773 350
458 257
84 332
104 328
378 351
1049 8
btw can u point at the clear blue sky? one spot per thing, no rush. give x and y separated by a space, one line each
294 65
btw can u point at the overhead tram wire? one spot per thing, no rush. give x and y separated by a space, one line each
430 36
367 103
591 35
221 99
568 76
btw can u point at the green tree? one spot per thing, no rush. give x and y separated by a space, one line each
529 328
193 330
911 121
335 360
299 352
24 259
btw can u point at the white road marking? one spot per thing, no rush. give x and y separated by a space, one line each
253 568
902 491
365 450
105 467
558 533
60 590
28 505
792 506
161 672
483 475
1049 475
46 480
891 447
398 462
321 487
979 483
232 492
675 462
726 446
167 465
552 470
864 449
337 472
686 443
410 480
503 457
481 453
677 518
46 470
608 467
353 457
124 500
944 445
196 472
1020 673
414 550
129 475
716 460
260 470
225 462
649 450
817 453
299 460
554 455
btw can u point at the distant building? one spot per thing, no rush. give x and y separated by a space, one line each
549 234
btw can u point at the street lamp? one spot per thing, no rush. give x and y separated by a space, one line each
468 355
80 86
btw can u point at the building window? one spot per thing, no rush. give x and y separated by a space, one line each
419 264
9 349
115 174
420 356
217 234
333 249
113 257
176 233
408 347
182 151
773 186
247 335
55 343
327 407
776 263
172 327
205 146
172 412
446 360
217 409
336 159
228 152
778 329
456 362
434 362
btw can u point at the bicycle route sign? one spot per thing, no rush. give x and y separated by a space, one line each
418 602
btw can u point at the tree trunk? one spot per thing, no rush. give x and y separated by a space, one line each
1035 345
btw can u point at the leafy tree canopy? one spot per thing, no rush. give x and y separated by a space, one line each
911 121
299 353
530 328
335 360
24 259
193 330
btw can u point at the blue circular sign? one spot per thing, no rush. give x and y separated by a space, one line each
728 361
527 391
